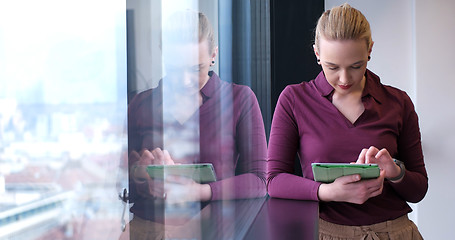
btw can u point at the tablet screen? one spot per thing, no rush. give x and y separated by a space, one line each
200 172
328 172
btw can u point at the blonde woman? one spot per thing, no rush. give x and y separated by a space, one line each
347 115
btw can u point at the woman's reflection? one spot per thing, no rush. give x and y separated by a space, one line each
192 117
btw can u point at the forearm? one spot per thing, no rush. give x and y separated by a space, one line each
247 185
289 186
414 184
412 187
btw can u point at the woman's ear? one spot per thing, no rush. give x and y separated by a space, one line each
315 49
215 52
371 48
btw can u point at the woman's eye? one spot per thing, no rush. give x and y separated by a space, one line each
333 68
355 67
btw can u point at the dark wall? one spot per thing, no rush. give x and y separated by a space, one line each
292 36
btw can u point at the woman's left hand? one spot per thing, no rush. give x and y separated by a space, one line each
181 189
382 158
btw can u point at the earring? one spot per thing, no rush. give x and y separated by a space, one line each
319 61
369 58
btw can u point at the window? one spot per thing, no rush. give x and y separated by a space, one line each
62 118
68 71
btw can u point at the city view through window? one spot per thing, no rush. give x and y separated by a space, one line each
62 119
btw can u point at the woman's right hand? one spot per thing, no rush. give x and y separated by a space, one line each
351 189
146 185
145 158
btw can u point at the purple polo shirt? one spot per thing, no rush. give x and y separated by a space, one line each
232 138
307 123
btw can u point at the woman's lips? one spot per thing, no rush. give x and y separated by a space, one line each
345 87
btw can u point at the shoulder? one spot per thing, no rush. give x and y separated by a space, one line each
226 89
393 99
242 91
140 97
237 92
144 98
388 94
299 91
401 99
395 93
244 99
296 88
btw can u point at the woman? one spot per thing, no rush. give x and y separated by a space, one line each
346 115
192 117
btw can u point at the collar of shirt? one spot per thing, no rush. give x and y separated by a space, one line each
210 87
373 86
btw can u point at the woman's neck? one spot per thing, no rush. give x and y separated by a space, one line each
185 106
350 104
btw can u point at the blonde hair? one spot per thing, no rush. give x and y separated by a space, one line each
343 23
188 27
206 31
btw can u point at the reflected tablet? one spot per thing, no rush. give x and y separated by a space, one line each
328 172
200 172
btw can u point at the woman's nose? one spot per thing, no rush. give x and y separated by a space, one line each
344 77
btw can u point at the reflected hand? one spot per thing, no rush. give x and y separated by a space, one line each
382 158
154 157
181 189
145 158
146 186
351 189
159 157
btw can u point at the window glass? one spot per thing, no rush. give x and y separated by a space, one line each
86 85
193 108
62 118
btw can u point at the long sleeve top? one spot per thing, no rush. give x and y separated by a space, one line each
306 123
231 137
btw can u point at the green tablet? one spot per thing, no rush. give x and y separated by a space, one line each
328 172
200 172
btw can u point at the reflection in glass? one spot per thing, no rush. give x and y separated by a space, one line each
192 116
62 117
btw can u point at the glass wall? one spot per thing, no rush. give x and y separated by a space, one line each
62 118
196 135
132 119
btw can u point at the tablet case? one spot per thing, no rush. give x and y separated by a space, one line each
201 172
328 172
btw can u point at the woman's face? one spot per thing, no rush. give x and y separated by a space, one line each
344 64
187 66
